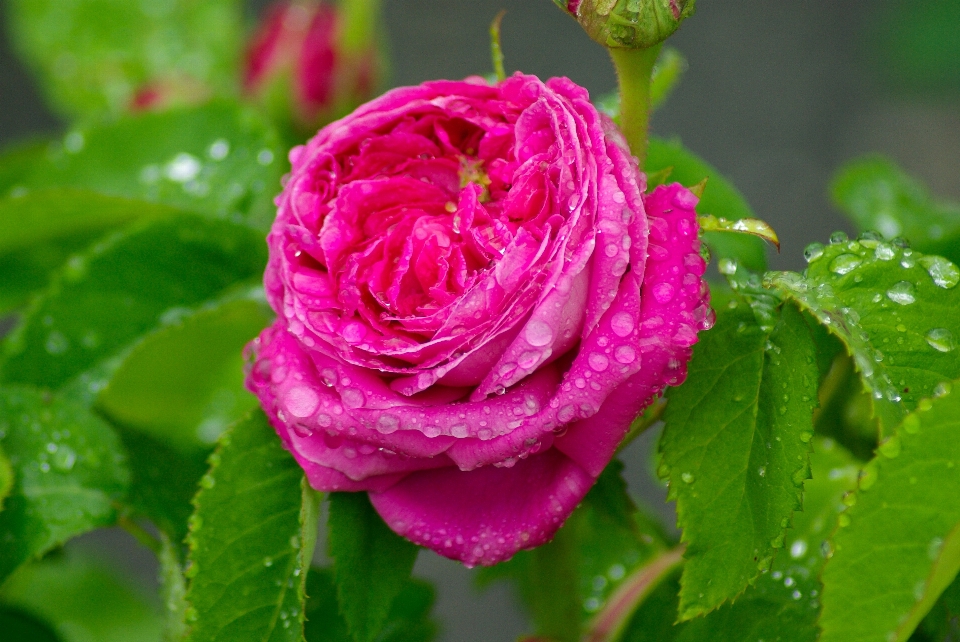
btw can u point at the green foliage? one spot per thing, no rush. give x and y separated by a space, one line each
251 540
735 447
69 472
371 563
919 51
108 297
895 310
565 583
39 230
408 620
672 162
94 55
6 477
83 599
898 547
183 383
943 621
878 195
18 625
219 159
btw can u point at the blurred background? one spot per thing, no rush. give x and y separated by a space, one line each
777 96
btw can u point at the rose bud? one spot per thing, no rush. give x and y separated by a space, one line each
300 71
629 24
169 93
475 299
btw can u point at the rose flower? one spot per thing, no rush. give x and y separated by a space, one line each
475 300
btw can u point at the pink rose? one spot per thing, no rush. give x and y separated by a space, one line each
475 300
296 66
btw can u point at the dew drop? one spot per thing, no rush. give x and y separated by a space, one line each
352 398
301 401
598 361
944 273
56 343
687 478
64 459
798 549
538 333
663 292
941 339
625 355
219 149
388 424
183 168
845 263
903 293
890 447
838 237
813 252
622 324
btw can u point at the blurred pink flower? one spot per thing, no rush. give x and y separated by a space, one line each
298 68
475 300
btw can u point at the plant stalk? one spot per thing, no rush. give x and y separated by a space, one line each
634 72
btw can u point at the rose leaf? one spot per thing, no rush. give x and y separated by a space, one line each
736 445
898 545
877 195
105 299
183 383
69 472
408 620
895 311
371 563
784 603
220 160
251 540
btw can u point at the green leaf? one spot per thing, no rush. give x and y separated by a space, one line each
84 599
898 547
667 72
894 309
735 448
877 195
121 289
94 55
17 159
219 159
251 539
183 383
408 621
40 230
173 591
163 480
20 626
370 562
720 199
943 620
69 473
784 603
566 582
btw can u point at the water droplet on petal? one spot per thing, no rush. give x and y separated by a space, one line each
301 401
598 361
538 333
625 354
622 324
352 398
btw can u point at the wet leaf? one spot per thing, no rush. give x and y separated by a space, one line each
371 564
183 383
898 545
894 309
69 473
736 446
878 195
251 540
94 56
123 288
220 160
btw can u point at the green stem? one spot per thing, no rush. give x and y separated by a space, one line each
634 71
361 20
140 534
